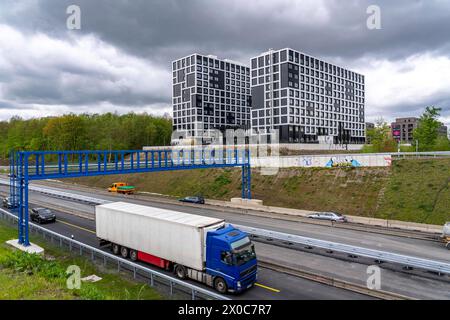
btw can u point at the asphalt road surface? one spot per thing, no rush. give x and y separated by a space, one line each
271 284
401 245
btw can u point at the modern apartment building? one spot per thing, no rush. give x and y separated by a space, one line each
403 128
305 97
210 93
443 130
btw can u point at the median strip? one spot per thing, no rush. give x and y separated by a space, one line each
380 294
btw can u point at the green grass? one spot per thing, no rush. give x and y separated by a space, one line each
30 276
418 190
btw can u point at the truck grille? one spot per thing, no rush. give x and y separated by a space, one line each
248 271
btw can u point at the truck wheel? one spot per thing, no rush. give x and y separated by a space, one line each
115 248
133 255
180 271
448 245
220 285
124 252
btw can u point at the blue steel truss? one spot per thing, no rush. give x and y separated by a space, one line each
26 166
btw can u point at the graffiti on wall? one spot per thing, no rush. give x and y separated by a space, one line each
388 160
307 161
327 161
346 161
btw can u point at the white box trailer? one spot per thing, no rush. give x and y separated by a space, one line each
174 236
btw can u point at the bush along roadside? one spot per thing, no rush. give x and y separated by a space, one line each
57 275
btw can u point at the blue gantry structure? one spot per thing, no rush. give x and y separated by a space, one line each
26 166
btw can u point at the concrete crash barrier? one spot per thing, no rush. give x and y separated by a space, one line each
396 224
257 205
247 202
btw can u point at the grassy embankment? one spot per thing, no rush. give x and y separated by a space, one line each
411 190
25 276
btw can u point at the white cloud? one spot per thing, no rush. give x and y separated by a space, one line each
393 87
41 75
39 110
77 71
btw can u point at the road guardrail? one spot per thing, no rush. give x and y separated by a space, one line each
407 261
138 270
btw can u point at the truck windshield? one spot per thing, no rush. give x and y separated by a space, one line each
244 255
240 243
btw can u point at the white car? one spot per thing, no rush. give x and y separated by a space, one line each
330 216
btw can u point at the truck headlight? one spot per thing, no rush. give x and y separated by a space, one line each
238 284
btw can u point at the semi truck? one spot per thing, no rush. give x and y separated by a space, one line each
201 248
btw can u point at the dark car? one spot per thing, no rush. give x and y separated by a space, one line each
196 199
42 215
9 204
330 216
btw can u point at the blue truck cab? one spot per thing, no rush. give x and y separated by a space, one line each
230 259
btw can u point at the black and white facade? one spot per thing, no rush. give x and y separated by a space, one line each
306 98
209 93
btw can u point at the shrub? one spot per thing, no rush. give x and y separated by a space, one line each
33 264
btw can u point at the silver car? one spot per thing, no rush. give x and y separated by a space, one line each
330 216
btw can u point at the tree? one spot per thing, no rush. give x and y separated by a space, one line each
442 143
108 131
381 137
427 129
66 133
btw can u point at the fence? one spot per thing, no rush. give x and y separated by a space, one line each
174 287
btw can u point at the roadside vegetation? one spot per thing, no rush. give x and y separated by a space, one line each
31 276
107 131
417 190
426 134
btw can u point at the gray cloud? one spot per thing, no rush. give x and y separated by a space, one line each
152 33
326 28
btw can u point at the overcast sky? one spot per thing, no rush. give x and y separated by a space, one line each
120 58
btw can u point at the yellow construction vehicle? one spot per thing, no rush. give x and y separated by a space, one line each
121 187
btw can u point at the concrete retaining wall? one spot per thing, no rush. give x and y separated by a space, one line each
323 161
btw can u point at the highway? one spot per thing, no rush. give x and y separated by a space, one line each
276 285
353 272
401 245
271 284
